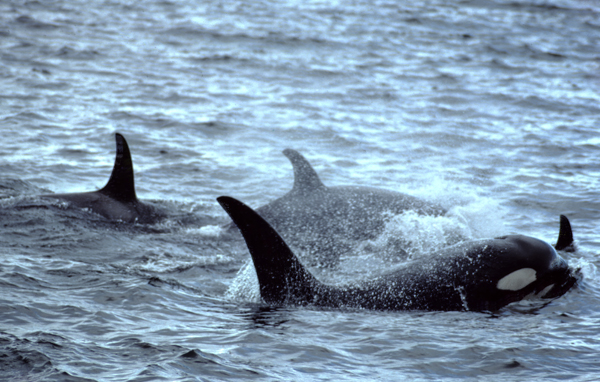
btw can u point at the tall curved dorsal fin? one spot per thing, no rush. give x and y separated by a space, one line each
121 186
565 235
281 276
306 179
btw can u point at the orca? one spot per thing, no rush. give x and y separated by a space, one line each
565 240
481 275
117 199
324 222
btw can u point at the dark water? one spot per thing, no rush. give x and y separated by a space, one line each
489 108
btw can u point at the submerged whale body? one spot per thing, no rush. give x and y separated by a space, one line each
117 199
483 275
326 221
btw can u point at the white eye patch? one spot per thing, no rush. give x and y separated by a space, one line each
517 279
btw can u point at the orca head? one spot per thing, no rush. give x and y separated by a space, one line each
535 268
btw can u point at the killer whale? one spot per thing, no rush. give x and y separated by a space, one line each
117 200
565 240
482 275
323 222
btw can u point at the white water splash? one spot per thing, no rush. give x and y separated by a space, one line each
244 286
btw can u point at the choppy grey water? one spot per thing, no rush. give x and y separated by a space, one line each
490 108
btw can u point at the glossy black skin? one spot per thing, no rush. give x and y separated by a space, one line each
458 278
117 200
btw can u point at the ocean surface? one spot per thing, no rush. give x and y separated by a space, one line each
490 108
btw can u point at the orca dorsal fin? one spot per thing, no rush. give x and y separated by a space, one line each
565 235
306 179
121 186
281 276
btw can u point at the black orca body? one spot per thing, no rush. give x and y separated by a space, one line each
483 275
326 221
117 200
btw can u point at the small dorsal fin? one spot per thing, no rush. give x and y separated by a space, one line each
306 179
565 235
281 276
121 186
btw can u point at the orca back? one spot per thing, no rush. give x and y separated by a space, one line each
281 276
121 185
565 240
